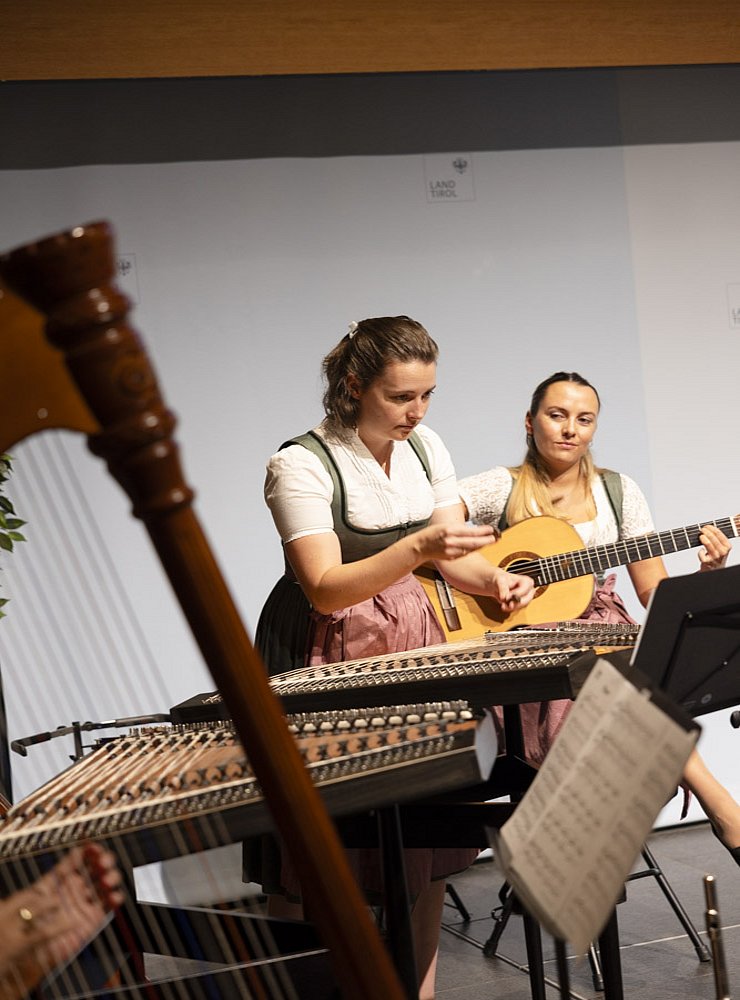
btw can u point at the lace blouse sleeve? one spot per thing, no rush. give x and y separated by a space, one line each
485 494
636 516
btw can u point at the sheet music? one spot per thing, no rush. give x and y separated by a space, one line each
573 839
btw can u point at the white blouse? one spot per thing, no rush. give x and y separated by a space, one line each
299 490
485 495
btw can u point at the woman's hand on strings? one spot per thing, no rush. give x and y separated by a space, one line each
511 590
476 574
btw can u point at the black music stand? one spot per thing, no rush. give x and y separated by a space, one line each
690 643
689 648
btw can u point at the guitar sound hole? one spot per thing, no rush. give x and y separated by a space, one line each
515 565
518 562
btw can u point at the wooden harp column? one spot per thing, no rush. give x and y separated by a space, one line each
69 279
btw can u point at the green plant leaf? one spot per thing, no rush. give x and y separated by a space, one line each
9 523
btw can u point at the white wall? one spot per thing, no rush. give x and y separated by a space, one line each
684 216
608 261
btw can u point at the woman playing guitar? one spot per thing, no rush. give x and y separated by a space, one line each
558 478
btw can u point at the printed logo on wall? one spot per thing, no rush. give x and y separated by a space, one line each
449 177
126 277
733 304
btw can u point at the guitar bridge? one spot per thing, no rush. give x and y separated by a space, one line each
447 604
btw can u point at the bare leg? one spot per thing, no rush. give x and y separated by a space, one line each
720 807
426 920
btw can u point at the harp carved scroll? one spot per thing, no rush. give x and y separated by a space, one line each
93 374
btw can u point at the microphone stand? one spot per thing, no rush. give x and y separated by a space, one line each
714 932
76 729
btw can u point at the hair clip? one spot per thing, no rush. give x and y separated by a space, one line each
352 329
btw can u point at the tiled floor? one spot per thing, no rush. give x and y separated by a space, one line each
658 960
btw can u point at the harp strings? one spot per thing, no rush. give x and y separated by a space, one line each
72 630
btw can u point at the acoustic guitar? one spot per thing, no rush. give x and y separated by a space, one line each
552 553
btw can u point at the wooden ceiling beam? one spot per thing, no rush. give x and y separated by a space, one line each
97 39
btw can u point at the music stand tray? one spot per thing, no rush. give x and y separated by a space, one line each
689 645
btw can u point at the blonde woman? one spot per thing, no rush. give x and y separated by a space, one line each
558 478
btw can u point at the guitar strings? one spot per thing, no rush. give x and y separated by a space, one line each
560 566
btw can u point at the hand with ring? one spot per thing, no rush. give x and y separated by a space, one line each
47 924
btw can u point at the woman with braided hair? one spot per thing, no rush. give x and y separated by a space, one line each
360 502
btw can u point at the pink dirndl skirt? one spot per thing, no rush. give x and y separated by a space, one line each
543 720
398 619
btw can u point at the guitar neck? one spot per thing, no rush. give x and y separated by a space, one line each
597 558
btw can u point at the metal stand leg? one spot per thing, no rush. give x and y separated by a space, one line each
611 962
397 909
457 902
532 937
656 871
562 964
500 919
594 961
535 959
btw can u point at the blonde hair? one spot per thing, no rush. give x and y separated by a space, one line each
530 495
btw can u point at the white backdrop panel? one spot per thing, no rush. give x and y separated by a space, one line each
246 273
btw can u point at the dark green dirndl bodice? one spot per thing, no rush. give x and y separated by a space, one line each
283 624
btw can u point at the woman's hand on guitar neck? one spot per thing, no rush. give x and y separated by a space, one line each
716 548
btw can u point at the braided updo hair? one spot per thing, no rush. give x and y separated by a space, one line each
364 353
